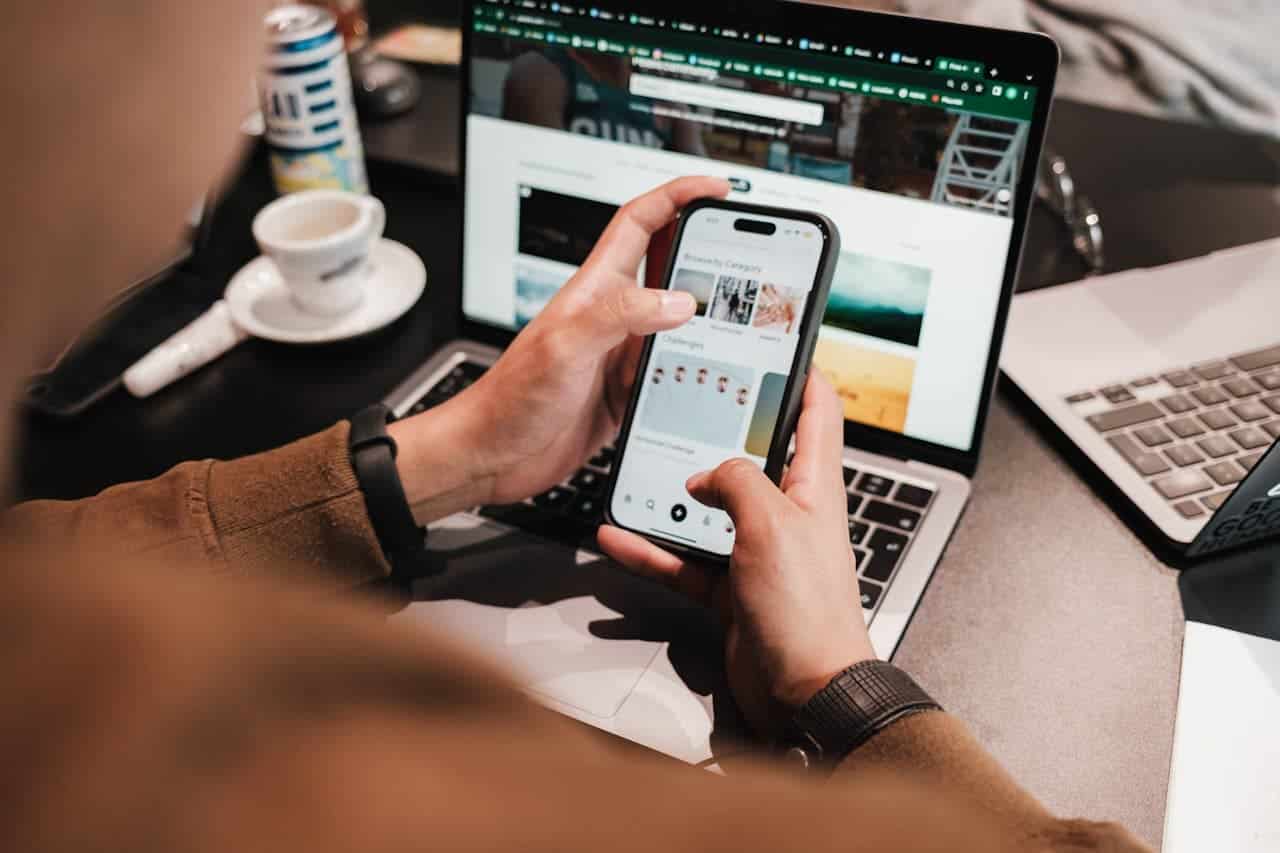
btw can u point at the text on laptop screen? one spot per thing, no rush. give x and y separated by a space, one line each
574 111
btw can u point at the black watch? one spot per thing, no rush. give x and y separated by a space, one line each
373 458
863 700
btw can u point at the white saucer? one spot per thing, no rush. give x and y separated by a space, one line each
261 305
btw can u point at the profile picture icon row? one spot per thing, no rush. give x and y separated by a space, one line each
702 376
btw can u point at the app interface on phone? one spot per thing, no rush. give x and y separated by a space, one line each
712 389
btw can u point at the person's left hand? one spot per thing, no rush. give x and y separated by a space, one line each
560 391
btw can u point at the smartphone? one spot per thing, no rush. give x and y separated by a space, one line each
729 382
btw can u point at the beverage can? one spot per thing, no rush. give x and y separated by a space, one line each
304 87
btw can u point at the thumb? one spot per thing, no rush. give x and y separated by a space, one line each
643 311
659 251
741 489
632 311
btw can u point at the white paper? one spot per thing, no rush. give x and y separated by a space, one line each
1224 783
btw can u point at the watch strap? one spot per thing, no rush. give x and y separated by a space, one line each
373 458
860 702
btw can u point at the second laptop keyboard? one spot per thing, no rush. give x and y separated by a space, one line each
883 513
1193 432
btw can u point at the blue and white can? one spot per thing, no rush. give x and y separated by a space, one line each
305 92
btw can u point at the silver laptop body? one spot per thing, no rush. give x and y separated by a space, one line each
1167 379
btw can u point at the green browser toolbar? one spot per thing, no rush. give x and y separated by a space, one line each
957 86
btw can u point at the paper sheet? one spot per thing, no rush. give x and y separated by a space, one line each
1224 782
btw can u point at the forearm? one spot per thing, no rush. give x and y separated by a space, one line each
297 509
440 468
936 749
153 517
938 746
316 707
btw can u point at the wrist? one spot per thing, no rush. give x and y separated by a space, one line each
440 462
858 703
792 693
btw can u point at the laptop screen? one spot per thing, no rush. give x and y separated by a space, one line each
915 155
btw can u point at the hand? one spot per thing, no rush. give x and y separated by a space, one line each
560 391
790 599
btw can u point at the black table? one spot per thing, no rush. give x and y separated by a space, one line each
1048 626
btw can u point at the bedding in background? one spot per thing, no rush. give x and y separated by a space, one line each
1207 60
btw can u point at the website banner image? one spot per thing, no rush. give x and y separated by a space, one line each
850 138
556 232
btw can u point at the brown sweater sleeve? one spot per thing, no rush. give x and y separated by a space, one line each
293 511
327 729
173 711
935 751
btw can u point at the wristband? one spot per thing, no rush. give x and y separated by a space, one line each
373 458
860 702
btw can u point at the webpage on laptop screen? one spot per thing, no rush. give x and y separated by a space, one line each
566 123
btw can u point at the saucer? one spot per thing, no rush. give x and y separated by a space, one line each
261 305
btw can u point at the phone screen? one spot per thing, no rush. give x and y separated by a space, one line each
713 389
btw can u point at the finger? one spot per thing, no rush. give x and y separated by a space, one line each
642 311
623 367
592 324
627 238
659 251
648 560
819 437
602 300
739 488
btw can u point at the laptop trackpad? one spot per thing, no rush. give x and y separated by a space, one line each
573 627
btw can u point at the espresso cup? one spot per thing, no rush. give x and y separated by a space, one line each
322 242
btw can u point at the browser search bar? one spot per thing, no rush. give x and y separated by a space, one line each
732 100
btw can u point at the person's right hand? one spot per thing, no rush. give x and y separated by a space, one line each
790 598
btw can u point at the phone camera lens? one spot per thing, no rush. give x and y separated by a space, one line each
679 513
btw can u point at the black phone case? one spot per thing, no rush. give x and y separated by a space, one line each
136 320
792 395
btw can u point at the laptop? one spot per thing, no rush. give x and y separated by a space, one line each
1168 380
918 138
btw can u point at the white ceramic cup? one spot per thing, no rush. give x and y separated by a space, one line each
322 242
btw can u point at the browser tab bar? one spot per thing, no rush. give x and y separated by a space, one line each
899 76
962 67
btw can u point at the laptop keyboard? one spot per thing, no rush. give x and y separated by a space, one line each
1192 432
884 514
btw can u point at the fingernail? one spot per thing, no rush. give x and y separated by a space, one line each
677 303
696 481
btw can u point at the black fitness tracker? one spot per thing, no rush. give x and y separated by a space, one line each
855 705
373 458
